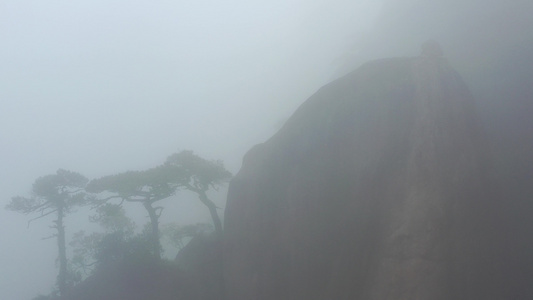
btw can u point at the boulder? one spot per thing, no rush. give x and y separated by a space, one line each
377 188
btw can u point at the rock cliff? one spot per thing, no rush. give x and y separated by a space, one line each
376 188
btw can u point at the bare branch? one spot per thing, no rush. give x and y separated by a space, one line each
73 191
136 200
102 200
49 237
191 188
41 216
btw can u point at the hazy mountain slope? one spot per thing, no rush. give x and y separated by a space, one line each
376 188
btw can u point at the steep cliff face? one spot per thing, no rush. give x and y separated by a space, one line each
376 188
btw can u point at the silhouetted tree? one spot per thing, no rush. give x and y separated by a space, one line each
183 170
200 175
144 187
54 194
87 248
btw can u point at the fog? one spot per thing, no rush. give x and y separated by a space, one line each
102 87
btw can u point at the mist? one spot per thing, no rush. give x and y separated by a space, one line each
110 86
104 87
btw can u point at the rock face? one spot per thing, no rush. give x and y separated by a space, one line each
376 188
201 260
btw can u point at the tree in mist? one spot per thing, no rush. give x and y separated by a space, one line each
90 251
54 194
181 171
144 187
200 175
112 218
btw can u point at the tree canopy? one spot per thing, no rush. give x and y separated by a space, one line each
57 194
50 193
92 251
200 175
150 185
181 171
54 194
145 187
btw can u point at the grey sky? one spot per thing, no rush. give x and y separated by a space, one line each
101 87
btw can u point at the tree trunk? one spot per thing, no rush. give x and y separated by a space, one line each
62 276
154 224
212 210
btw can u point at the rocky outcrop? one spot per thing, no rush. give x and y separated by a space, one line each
201 260
376 188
